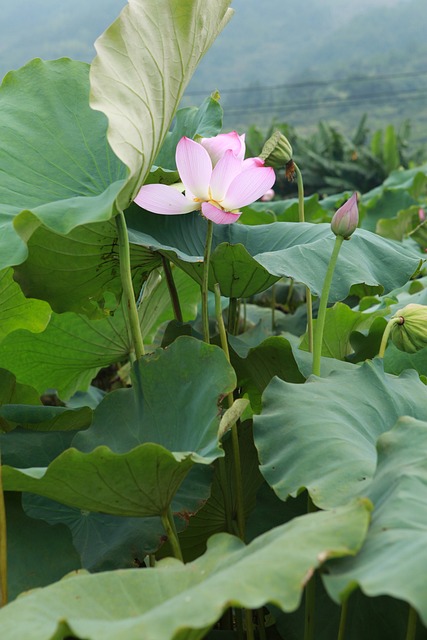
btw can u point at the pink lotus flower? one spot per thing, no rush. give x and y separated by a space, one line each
216 179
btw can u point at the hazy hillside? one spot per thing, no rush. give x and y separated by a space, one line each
315 44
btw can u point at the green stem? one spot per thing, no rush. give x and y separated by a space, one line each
411 629
169 525
205 282
232 316
173 293
273 307
310 589
320 322
3 545
261 625
250 634
386 334
234 433
343 620
301 218
126 277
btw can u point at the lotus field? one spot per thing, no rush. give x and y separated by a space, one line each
213 405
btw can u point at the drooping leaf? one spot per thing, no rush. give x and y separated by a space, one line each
144 61
321 435
37 553
104 542
394 555
175 599
44 418
56 165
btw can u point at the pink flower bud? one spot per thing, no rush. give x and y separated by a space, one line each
346 219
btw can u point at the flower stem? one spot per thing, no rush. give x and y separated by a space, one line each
169 525
234 434
320 322
411 629
386 334
232 316
308 297
343 620
205 282
173 293
3 545
310 590
126 277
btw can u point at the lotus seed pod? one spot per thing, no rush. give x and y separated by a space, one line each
277 151
346 219
410 333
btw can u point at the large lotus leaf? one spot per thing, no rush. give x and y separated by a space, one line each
284 211
248 259
144 61
205 122
174 600
321 435
37 553
393 559
73 271
21 448
55 161
140 483
17 311
173 402
67 355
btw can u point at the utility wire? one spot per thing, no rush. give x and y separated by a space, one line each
291 106
314 83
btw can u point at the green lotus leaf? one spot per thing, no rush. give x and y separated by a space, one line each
73 272
67 355
144 61
321 435
248 259
173 402
56 166
174 600
44 418
17 311
394 554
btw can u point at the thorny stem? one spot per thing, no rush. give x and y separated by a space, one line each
169 525
321 316
301 218
3 545
386 334
173 293
126 277
205 282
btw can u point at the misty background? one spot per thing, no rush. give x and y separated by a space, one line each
277 60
